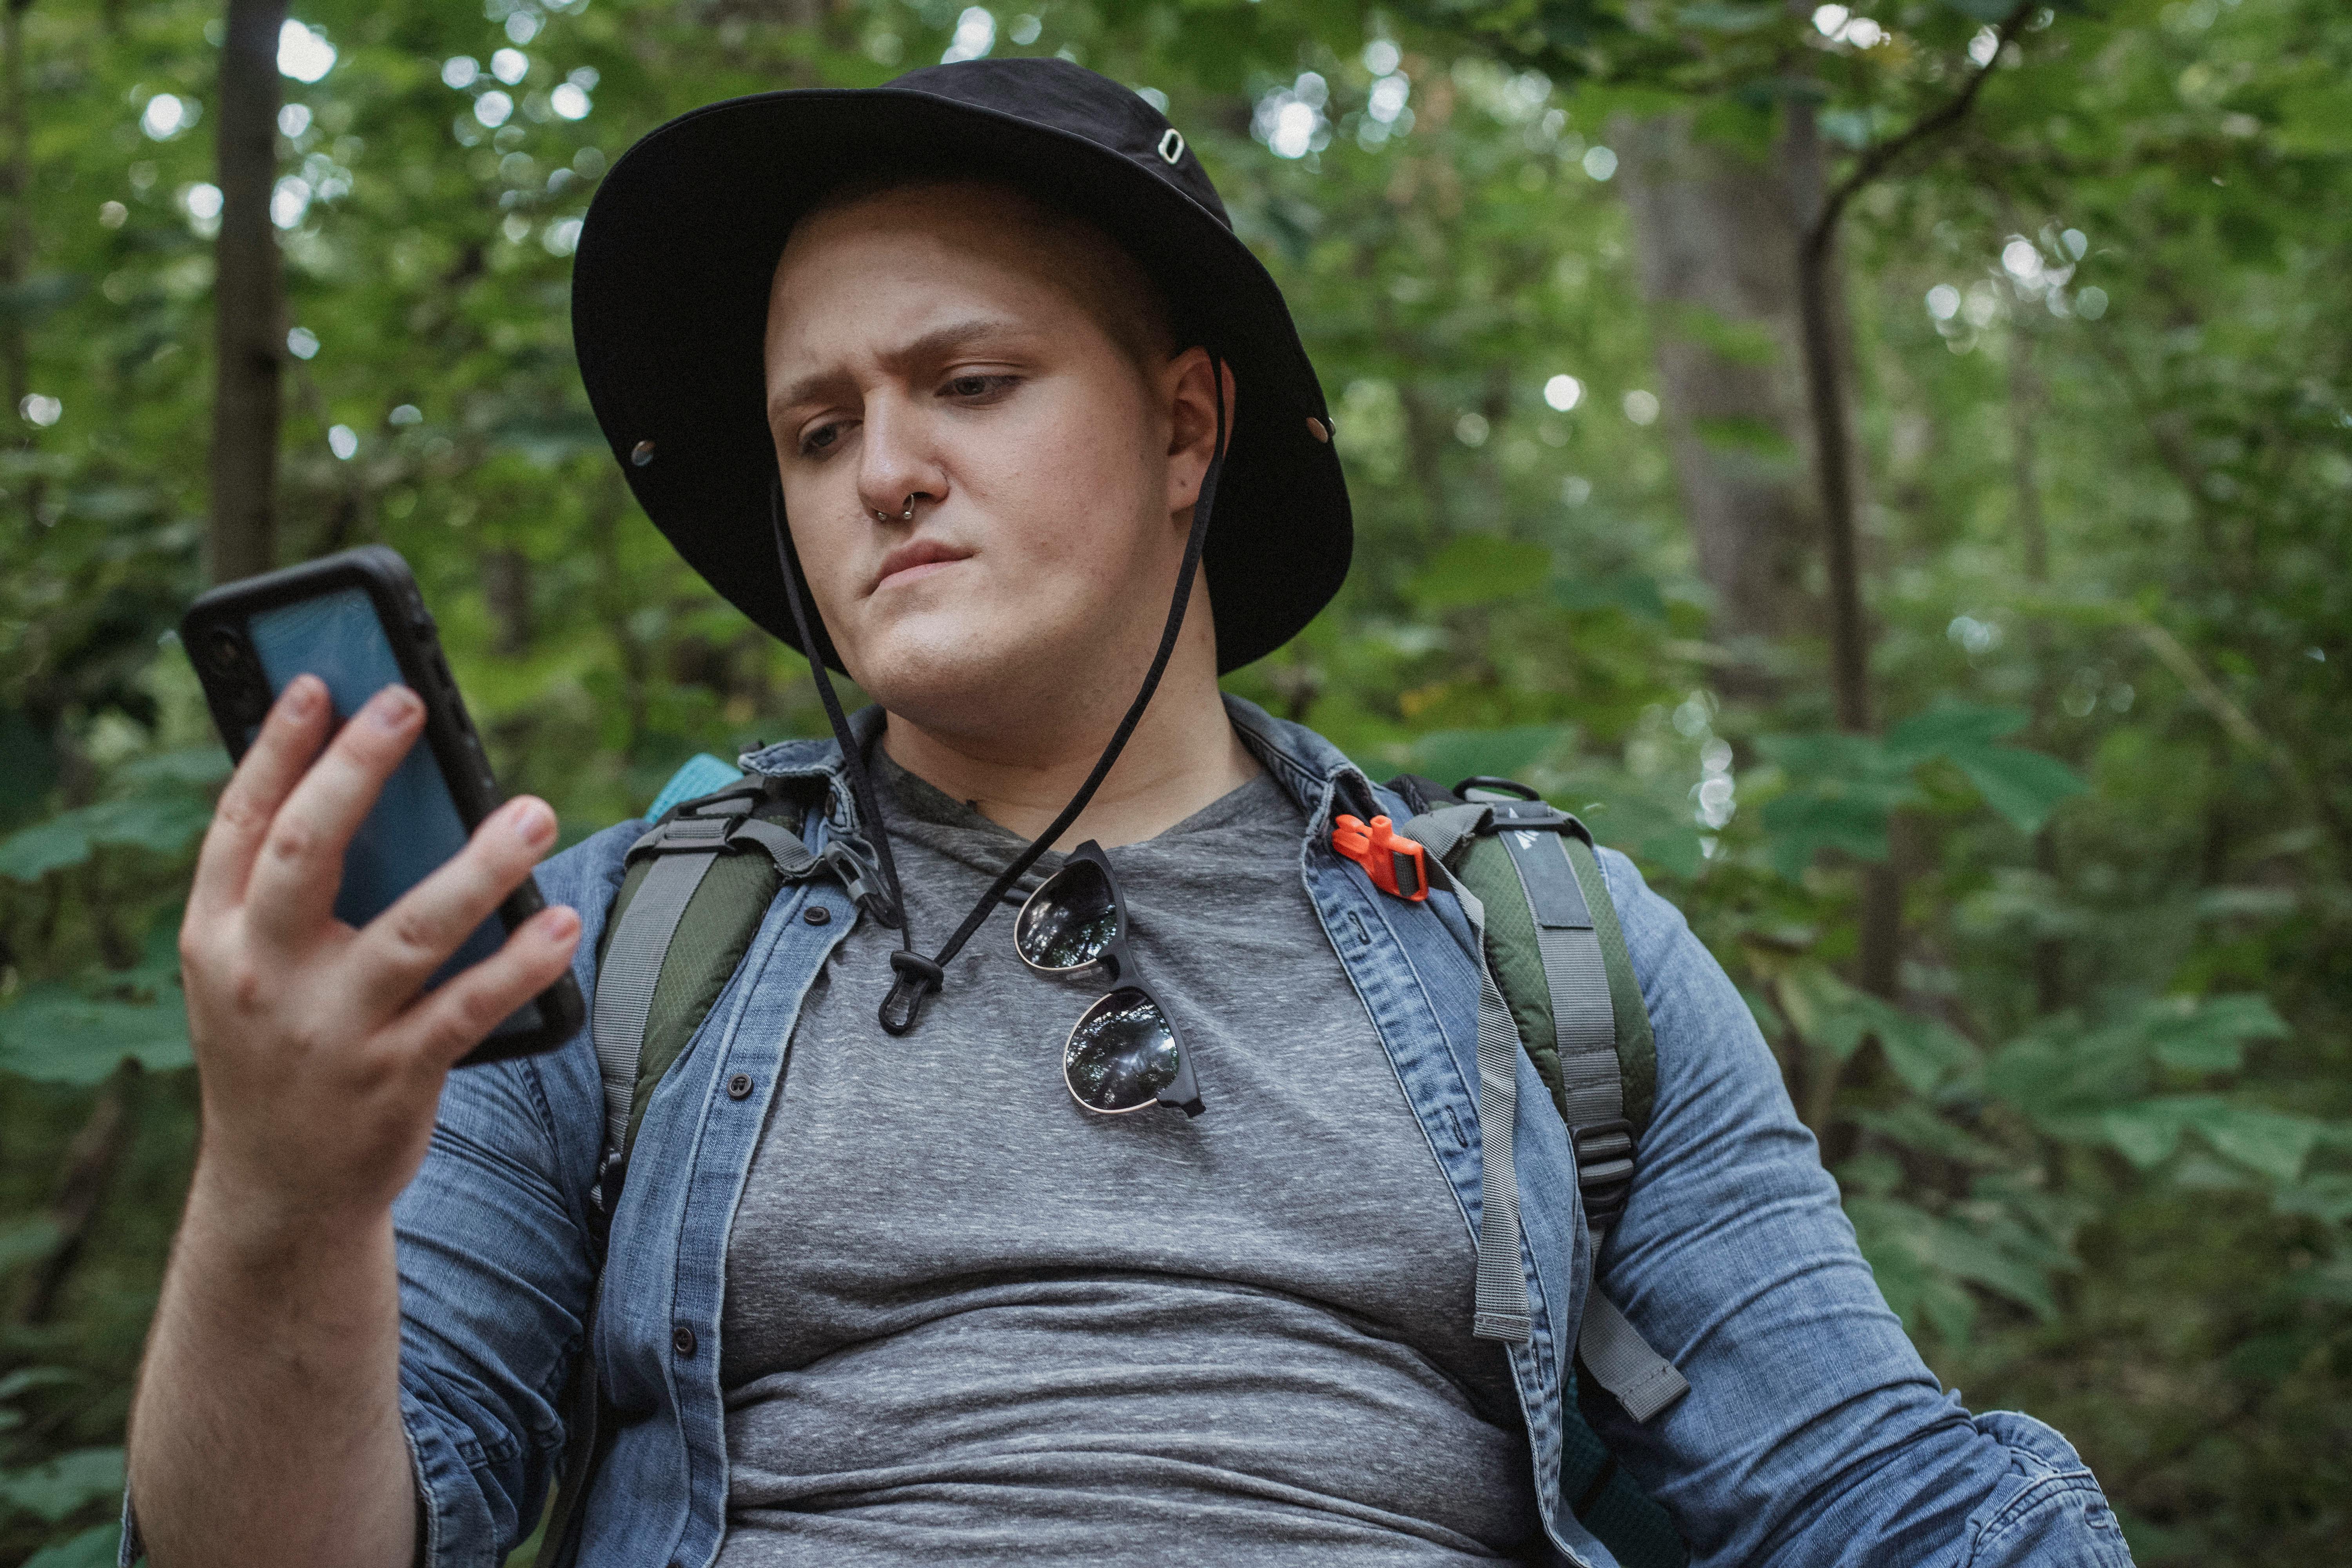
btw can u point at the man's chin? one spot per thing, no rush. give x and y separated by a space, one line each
953 680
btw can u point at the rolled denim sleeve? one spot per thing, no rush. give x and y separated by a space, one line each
495 1272
495 1267
1813 1433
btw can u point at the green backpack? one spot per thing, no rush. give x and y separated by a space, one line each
1558 986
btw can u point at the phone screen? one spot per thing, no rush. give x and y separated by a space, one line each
414 827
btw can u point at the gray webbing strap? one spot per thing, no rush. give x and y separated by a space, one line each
1584 1024
793 859
1502 1296
633 962
1622 1360
1584 1021
1612 1350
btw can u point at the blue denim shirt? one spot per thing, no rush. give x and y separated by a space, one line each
1812 1434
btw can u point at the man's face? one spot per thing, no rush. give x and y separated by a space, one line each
949 343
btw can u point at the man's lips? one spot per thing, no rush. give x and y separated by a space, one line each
917 558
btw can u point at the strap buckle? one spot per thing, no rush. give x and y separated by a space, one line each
852 859
1604 1169
1529 813
708 829
1395 863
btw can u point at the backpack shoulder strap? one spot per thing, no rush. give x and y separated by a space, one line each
1555 949
695 891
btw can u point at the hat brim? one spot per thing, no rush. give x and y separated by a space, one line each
670 291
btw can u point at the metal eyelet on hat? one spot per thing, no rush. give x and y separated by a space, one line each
1172 146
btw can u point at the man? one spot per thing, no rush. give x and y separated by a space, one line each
879 1290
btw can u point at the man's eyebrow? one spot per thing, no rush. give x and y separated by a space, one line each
938 342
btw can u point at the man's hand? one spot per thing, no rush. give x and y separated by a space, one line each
267 1426
321 1065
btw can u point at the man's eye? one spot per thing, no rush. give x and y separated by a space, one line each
977 385
819 439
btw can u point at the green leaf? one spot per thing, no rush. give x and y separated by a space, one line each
1955 727
1990 12
195 767
56 1488
1477 568
2327 1282
2066 1079
2023 786
2148 1132
1915 1126
23 1240
1920 1248
60 1032
166 824
98 1547
1677 852
1960 1251
2272 1142
1798 826
2326 1197
25 1377
2210 1035
1924 1052
1635 593
34 852
1824 1009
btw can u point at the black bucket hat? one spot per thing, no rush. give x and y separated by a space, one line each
670 296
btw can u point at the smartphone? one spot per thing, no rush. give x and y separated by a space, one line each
357 622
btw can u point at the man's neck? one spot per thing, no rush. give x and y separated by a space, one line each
1183 756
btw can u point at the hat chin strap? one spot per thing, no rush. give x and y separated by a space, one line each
916 977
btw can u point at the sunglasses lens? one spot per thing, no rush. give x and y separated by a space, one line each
1070 921
1121 1054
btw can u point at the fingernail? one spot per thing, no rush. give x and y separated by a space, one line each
560 924
393 707
532 820
303 694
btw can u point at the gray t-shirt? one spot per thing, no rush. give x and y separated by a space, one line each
968 1320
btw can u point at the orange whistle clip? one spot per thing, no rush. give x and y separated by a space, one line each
1394 862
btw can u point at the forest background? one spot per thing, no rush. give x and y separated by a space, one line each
1888 470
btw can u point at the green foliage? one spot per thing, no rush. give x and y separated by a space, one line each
56 1488
1844 788
2098 1146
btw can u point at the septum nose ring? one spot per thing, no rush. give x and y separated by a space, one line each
906 516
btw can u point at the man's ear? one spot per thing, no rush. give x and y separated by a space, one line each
1191 402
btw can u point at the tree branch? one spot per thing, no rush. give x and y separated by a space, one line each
1879 156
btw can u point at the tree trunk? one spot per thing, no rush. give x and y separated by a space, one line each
1820 305
505 591
248 299
1716 232
2024 415
16 257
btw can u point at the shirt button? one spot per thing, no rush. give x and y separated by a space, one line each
681 1339
740 1086
816 914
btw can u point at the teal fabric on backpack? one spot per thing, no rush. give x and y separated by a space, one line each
699 775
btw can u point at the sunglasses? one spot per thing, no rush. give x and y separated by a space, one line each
1123 1053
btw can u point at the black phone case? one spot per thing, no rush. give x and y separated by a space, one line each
213 633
